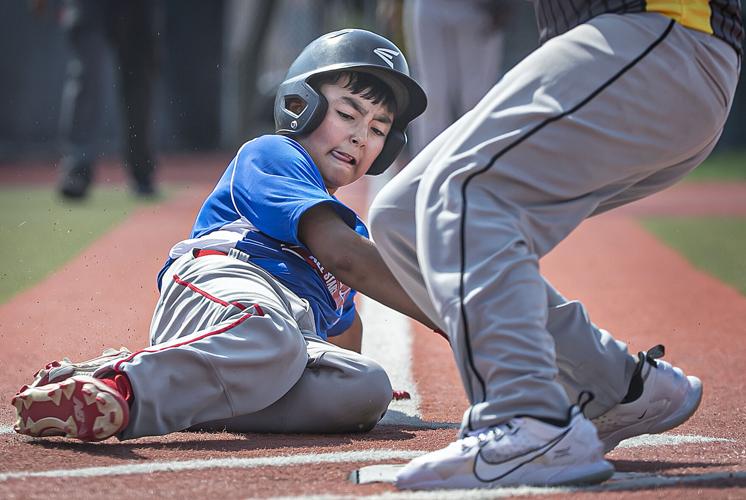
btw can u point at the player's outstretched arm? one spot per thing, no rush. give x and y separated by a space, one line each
354 260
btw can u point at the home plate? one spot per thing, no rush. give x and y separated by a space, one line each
383 473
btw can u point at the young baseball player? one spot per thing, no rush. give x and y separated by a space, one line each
622 99
238 340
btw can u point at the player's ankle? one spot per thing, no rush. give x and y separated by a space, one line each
120 383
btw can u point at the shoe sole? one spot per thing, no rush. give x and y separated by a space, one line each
594 473
78 407
538 475
652 426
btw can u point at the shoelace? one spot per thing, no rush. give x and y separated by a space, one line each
482 436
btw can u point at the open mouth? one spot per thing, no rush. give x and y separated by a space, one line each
344 157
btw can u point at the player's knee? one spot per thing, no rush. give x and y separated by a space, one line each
379 392
366 393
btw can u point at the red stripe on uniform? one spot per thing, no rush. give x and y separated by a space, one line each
257 312
195 288
202 253
204 335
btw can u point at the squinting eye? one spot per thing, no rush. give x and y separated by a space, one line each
344 115
378 132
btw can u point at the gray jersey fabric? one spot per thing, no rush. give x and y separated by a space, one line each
233 349
608 112
722 18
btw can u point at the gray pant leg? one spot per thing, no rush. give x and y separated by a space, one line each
132 32
658 181
392 224
588 358
423 30
585 353
340 391
455 66
214 354
480 50
80 109
527 148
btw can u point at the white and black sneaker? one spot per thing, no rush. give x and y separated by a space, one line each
661 398
522 451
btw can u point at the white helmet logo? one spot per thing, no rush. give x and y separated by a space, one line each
387 55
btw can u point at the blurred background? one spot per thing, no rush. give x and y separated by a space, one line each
217 66
204 74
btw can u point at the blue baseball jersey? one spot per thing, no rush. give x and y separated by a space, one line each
256 207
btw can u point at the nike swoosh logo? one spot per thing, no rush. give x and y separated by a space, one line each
494 471
643 415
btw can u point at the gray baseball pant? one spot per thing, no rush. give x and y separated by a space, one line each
457 57
233 349
612 111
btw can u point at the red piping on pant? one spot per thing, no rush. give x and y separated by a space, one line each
204 335
257 312
194 288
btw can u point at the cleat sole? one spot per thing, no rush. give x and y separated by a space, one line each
78 407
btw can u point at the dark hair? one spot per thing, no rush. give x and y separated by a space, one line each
359 83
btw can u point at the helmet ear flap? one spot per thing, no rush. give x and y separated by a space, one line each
395 142
299 109
317 115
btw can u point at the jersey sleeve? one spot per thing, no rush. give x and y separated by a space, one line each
346 318
274 182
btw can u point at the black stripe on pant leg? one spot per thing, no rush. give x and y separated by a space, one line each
462 232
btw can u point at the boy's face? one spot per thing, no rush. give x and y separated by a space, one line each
349 138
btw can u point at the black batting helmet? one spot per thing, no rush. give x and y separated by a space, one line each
350 50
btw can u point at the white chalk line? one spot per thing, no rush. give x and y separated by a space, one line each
220 463
668 440
388 340
304 459
619 482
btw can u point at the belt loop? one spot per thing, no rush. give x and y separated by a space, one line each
238 254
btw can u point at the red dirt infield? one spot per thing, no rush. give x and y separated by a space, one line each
633 285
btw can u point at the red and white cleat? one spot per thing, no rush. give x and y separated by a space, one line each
60 370
78 407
